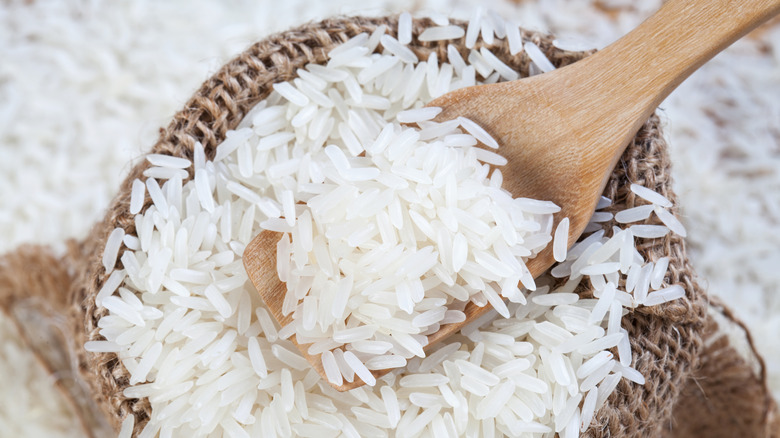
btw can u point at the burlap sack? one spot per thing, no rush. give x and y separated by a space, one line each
698 383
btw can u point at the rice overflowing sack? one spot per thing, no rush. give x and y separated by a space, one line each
177 352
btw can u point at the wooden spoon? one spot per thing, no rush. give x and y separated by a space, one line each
562 132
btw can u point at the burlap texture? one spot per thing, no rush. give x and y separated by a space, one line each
35 282
727 395
667 340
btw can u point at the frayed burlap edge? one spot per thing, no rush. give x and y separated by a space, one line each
666 339
727 395
34 281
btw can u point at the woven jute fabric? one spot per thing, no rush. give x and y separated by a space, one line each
35 281
668 341
727 395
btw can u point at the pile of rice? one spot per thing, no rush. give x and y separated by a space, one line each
61 102
199 343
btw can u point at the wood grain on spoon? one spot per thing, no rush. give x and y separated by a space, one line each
563 132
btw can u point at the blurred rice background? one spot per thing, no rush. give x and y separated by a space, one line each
85 86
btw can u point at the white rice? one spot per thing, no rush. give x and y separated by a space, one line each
405 28
651 196
434 207
635 214
503 70
659 271
649 231
137 196
441 33
513 38
488 30
291 94
418 115
127 427
473 28
573 44
178 58
168 161
538 58
561 240
478 132
396 48
111 250
664 295
670 221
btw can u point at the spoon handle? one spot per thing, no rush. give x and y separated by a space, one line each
646 65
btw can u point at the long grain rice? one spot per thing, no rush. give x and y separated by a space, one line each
400 189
